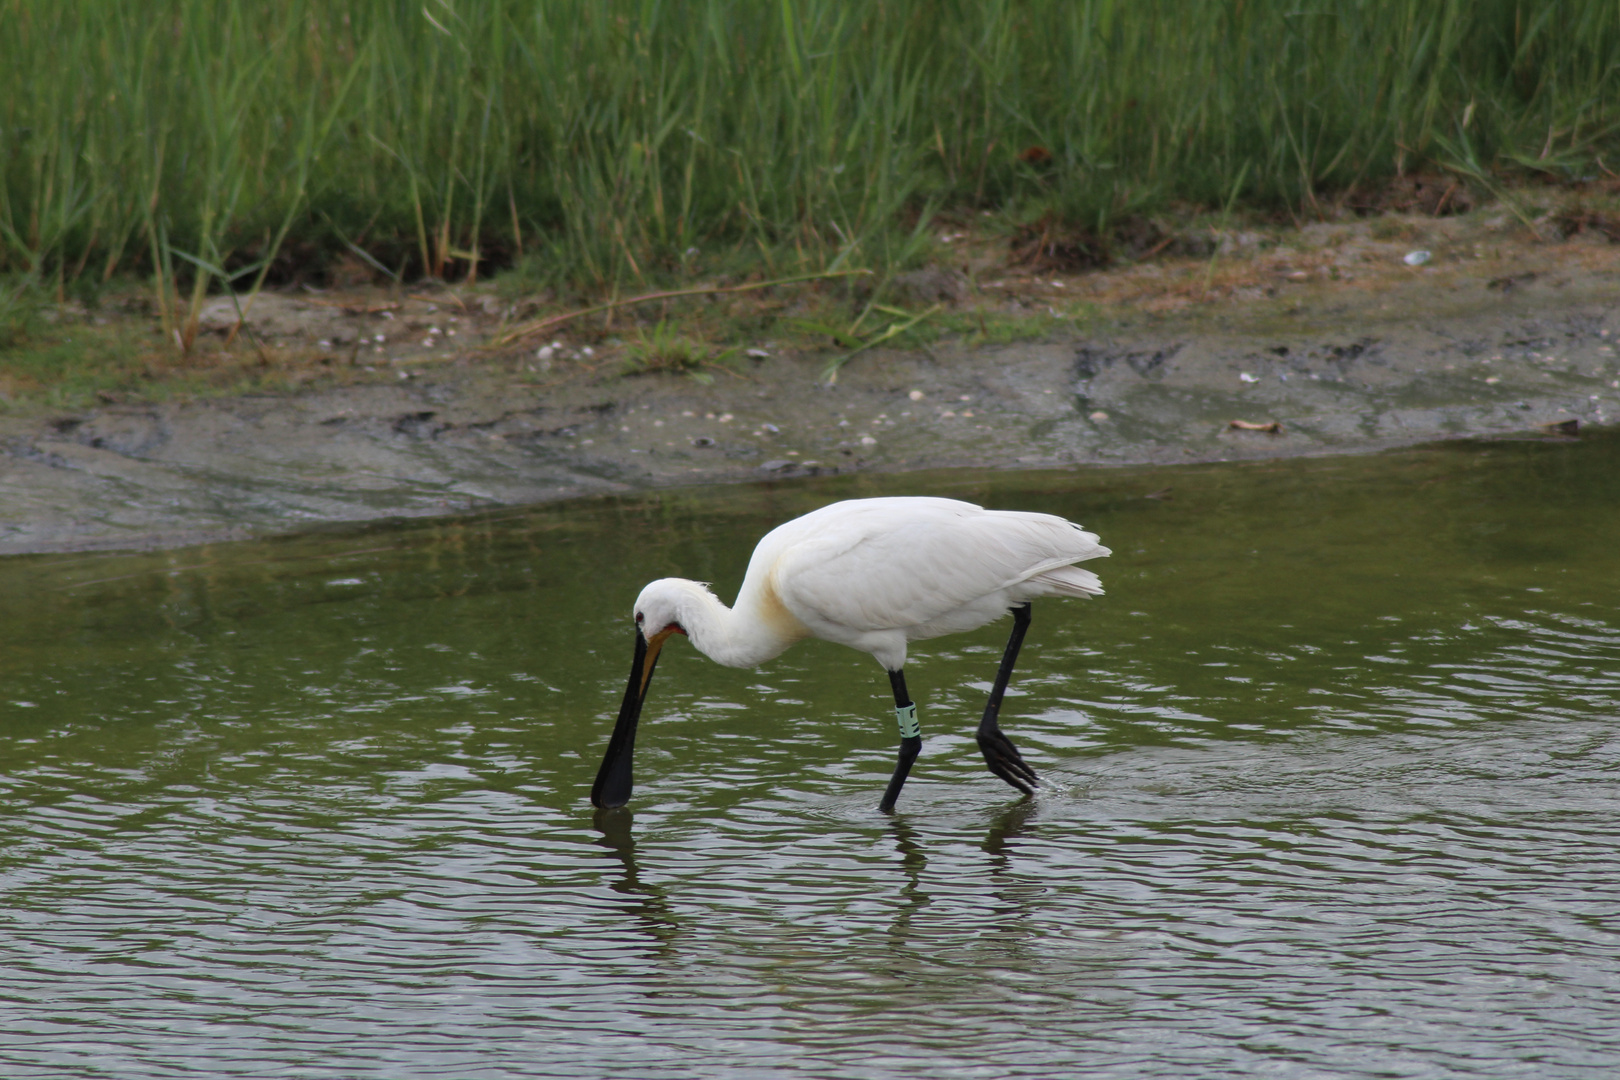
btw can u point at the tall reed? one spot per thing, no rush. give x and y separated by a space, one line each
603 140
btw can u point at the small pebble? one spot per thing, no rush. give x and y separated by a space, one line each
1417 258
915 395
1099 415
867 440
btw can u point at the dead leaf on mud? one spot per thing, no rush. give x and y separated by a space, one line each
1562 427
1434 196
1509 282
931 285
1273 428
1051 244
1571 222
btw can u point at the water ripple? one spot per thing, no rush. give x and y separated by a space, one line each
1295 824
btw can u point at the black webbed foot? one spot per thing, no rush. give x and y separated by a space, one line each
1003 759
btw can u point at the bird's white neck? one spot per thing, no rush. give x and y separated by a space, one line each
756 630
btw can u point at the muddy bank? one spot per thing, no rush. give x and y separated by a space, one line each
1337 362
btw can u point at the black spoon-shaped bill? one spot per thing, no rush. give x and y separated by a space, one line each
613 780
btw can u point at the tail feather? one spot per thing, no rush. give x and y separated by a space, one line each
1067 581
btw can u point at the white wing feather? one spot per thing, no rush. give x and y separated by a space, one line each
886 564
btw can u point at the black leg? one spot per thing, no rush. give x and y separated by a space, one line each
1000 754
910 740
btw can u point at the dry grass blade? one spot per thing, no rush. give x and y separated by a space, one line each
550 322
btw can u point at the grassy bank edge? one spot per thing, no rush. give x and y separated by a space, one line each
975 290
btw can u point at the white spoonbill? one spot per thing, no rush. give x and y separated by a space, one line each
876 575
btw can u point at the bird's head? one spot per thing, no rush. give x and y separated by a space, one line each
661 606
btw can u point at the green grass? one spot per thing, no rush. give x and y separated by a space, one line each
65 367
82 365
664 348
600 144
981 327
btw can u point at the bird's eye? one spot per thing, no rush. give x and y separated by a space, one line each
640 618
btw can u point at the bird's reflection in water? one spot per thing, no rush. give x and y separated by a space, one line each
905 958
1010 935
925 946
649 904
912 861
1005 827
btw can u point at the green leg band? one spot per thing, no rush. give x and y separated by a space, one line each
907 715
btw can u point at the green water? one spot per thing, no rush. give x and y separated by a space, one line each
1331 792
